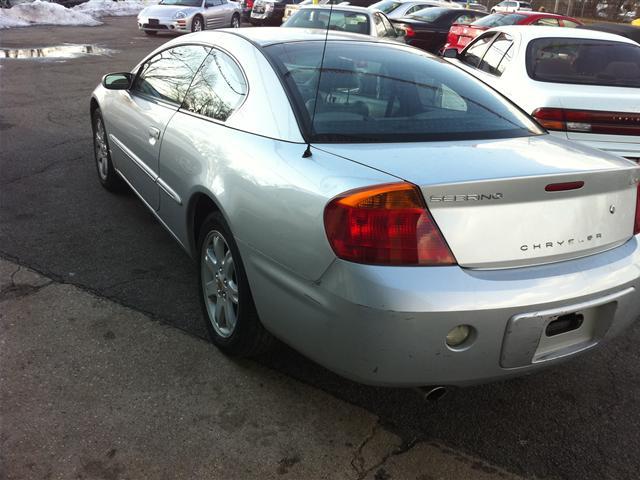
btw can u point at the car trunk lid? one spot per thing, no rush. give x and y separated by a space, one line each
514 202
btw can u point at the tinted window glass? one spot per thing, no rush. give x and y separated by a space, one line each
466 18
474 53
218 89
431 14
391 32
167 75
182 3
381 93
386 6
494 60
353 22
525 5
584 61
498 19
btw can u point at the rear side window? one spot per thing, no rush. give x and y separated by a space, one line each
498 55
386 6
218 88
584 62
377 93
167 75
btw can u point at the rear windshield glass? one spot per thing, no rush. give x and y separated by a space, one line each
372 92
584 62
353 22
430 14
386 6
497 20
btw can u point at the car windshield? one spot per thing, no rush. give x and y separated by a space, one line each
341 20
584 62
182 3
430 14
498 19
374 93
386 6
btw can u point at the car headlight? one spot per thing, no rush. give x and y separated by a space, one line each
180 15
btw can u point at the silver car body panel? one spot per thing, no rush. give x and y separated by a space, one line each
386 325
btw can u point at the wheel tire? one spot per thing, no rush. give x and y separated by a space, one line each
246 336
235 21
107 174
151 33
197 24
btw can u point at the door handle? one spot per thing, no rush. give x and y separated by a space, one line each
154 135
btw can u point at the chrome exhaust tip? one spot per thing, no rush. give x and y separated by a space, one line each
433 393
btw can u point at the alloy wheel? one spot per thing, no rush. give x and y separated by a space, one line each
101 150
219 284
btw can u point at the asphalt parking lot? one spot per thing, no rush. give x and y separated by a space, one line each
579 420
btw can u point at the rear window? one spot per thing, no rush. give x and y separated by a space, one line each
353 22
497 20
377 93
430 14
525 5
386 6
584 62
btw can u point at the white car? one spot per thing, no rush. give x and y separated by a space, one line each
183 16
582 85
511 6
402 8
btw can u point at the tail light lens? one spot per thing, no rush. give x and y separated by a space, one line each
409 31
588 121
249 4
636 225
385 225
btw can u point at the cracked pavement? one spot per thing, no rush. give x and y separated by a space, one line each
92 389
575 421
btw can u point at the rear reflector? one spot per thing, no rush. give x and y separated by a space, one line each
385 225
560 187
588 121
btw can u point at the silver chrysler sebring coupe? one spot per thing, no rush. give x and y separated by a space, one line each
189 16
381 211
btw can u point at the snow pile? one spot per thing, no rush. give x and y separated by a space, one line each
43 13
104 8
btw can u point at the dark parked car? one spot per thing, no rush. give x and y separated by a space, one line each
628 31
428 29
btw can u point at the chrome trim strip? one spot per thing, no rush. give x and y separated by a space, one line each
143 166
152 210
169 191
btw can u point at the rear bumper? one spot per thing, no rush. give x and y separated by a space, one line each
387 325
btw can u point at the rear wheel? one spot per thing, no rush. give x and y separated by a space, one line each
151 33
197 25
235 21
231 317
107 174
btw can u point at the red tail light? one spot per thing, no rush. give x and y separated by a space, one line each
250 4
588 121
636 225
409 31
385 225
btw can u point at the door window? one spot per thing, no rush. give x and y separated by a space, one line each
167 75
218 88
474 53
391 32
496 59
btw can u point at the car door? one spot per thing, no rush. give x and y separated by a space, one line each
138 116
213 14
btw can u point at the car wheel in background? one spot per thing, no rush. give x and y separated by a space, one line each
106 172
231 317
235 21
197 24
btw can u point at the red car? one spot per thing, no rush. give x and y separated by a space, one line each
460 35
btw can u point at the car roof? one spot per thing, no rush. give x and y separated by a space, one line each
343 8
530 32
265 36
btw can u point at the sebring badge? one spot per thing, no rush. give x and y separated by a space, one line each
469 197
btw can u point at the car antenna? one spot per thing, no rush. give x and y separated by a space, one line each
307 152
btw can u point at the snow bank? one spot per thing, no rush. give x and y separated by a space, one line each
104 8
43 13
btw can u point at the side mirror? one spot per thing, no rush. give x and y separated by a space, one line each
117 81
451 53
